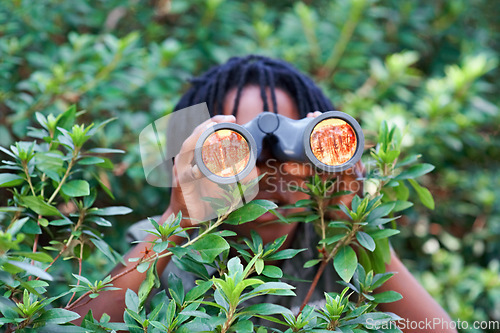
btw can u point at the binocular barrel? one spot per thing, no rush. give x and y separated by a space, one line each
227 153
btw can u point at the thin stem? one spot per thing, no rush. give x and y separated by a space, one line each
77 226
28 177
321 212
66 174
80 259
343 242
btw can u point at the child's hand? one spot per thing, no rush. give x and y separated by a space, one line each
189 185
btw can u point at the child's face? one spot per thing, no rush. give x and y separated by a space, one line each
278 175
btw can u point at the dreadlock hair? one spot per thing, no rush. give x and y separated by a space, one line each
238 72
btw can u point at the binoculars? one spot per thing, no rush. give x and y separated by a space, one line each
227 152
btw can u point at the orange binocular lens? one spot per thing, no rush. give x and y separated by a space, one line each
333 141
225 153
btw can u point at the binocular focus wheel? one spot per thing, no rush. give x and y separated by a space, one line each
226 153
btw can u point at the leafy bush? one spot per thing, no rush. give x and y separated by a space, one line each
52 198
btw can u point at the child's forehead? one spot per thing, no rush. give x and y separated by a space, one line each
250 103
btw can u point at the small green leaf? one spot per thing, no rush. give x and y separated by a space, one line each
272 272
284 254
33 270
415 171
99 221
39 206
58 316
151 281
109 211
259 266
38 256
384 233
402 205
132 300
331 240
365 240
387 297
90 160
424 194
345 263
76 188
210 247
106 151
250 211
10 179
381 211
312 263
143 266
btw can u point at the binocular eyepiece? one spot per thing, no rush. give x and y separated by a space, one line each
227 153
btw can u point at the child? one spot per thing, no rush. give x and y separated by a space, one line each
237 92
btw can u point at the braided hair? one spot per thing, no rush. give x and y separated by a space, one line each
238 72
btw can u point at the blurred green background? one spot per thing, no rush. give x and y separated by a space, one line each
429 66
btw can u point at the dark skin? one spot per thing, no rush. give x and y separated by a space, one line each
416 304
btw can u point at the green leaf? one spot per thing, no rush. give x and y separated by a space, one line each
50 163
424 194
76 188
345 263
106 151
39 206
259 266
380 211
175 288
285 254
151 281
10 179
198 291
60 222
331 240
210 247
415 171
58 316
384 233
380 279
109 211
132 300
250 211
143 266
99 221
365 240
407 160
90 160
272 272
264 309
402 205
16 226
38 256
374 319
364 259
387 297
33 270
104 248
312 263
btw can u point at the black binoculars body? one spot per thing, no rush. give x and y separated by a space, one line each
227 152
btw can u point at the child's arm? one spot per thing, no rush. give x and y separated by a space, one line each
417 307
113 302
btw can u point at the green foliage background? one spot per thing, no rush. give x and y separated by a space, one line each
431 67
